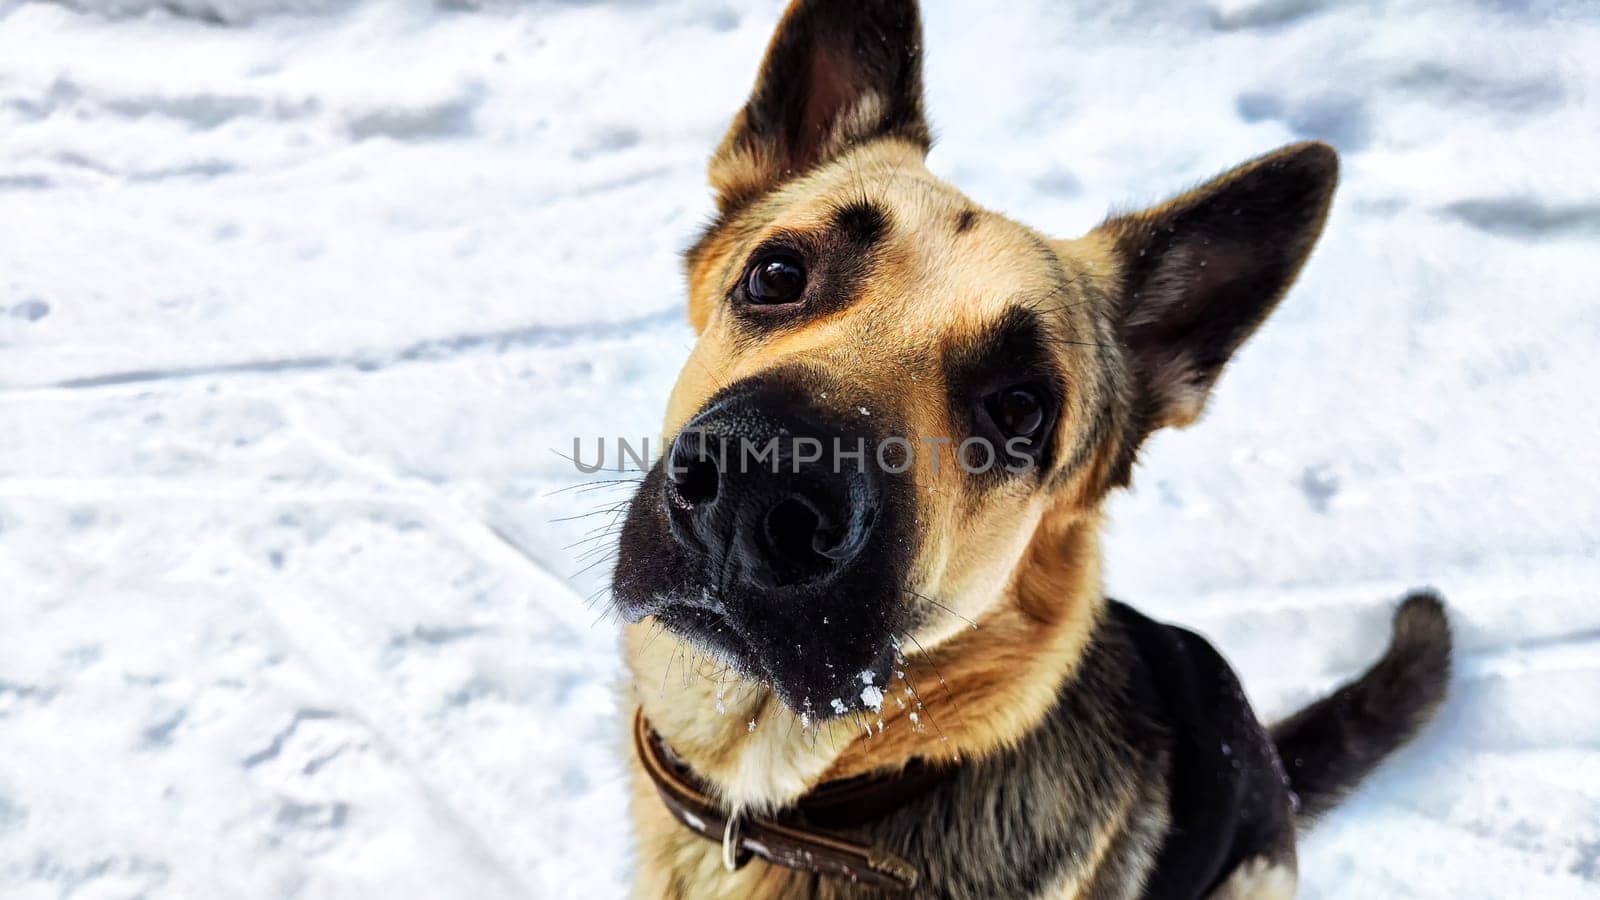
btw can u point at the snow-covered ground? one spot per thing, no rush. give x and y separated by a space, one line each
298 296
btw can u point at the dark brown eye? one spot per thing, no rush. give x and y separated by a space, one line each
774 279
1016 411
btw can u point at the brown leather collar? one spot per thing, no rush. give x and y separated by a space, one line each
800 837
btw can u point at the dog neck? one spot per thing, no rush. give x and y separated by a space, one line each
978 691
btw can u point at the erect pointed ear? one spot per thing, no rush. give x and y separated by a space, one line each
1201 272
837 73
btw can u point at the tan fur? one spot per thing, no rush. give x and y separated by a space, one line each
1024 569
1258 879
1009 577
1081 880
974 548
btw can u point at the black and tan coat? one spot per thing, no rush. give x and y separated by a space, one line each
1097 753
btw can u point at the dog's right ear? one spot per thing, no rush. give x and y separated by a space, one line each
837 73
1201 272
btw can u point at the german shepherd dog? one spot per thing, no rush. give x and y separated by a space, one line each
888 621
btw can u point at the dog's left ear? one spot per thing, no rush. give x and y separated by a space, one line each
837 73
1200 273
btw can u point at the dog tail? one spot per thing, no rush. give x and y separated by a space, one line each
1331 745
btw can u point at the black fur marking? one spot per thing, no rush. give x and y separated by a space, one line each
826 57
838 262
1226 791
1087 441
1012 350
860 225
1140 417
965 220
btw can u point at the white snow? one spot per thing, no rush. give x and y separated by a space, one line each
872 698
298 296
871 694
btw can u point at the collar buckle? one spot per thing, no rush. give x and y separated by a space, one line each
732 860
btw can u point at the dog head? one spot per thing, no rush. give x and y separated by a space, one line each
894 391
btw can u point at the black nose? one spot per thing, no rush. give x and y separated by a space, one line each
772 496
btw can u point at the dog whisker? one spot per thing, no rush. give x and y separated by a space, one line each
609 556
608 610
656 630
922 708
618 468
608 532
715 379
614 508
584 487
671 658
941 606
929 660
601 537
598 548
598 592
